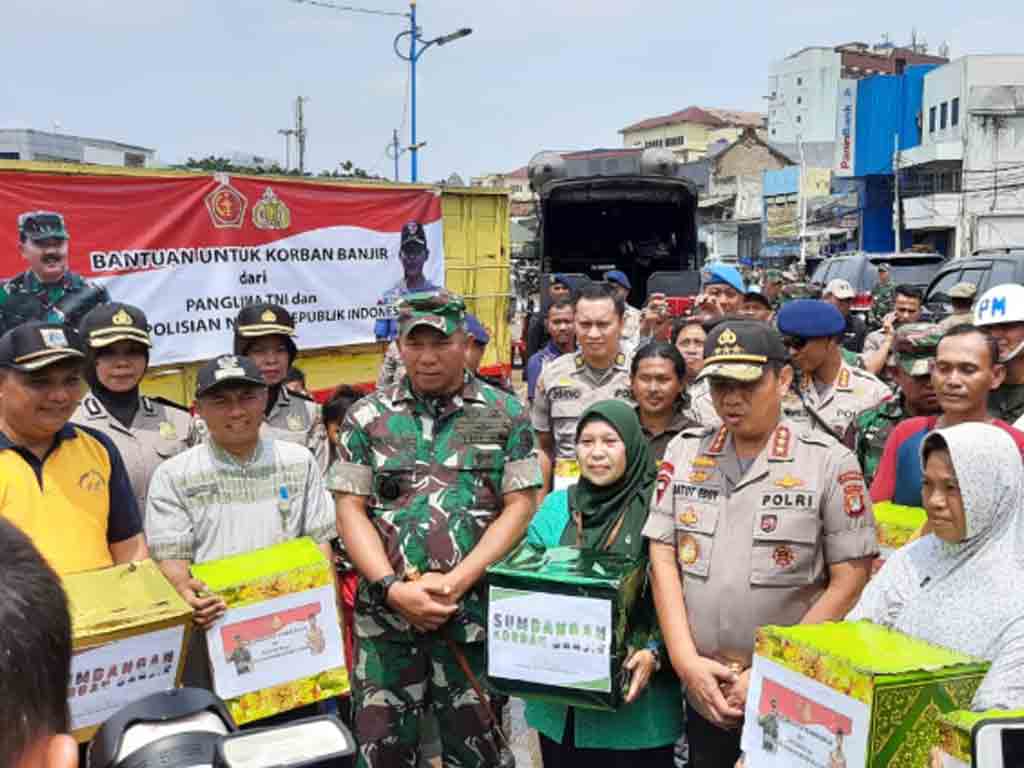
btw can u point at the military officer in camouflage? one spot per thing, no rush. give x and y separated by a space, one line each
146 430
569 384
883 296
435 480
828 394
265 333
47 290
771 288
915 355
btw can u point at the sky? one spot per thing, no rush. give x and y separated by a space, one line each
200 77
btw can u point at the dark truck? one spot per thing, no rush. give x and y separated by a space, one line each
626 209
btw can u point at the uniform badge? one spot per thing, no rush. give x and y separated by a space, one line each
121 318
705 461
295 424
851 477
689 516
53 338
780 443
853 501
167 431
697 476
689 550
665 473
783 556
844 379
268 316
789 482
769 523
719 442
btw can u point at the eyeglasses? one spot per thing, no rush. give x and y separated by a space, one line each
794 342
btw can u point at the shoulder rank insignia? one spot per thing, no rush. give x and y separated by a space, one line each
843 382
579 361
780 443
719 442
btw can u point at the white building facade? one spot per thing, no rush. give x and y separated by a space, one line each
802 96
965 182
27 144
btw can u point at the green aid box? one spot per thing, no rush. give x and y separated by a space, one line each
896 525
851 694
957 746
558 620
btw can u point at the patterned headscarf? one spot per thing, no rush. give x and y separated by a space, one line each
967 596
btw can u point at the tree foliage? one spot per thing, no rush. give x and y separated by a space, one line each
213 163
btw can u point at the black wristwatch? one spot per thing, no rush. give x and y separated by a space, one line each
378 590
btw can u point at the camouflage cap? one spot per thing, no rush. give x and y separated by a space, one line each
773 276
441 310
963 291
915 345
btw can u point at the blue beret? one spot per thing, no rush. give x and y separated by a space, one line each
618 276
724 274
476 329
810 319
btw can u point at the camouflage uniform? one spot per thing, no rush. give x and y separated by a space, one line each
66 301
392 369
1007 403
914 347
435 471
774 276
883 299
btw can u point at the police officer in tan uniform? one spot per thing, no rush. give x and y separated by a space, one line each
146 430
264 333
759 521
570 383
829 394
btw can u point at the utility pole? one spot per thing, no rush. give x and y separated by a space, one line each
394 149
414 33
300 133
287 133
897 208
803 204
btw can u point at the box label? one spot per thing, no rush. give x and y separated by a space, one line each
106 678
793 720
556 640
275 641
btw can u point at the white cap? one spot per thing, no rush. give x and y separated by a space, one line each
839 288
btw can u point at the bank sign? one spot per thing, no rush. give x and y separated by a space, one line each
846 128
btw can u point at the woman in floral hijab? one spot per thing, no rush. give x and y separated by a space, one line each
961 585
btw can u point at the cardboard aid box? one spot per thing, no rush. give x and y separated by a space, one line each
557 624
850 694
278 646
956 747
130 630
896 525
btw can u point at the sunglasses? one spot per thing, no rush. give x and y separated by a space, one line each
794 342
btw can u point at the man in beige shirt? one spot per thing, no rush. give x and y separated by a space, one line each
572 382
830 394
759 521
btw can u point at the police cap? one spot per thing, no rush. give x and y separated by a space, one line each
31 346
810 319
226 370
108 324
738 349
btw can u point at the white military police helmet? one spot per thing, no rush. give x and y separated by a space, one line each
1002 304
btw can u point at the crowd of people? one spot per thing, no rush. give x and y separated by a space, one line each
736 450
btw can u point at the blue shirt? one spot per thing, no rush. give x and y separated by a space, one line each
536 362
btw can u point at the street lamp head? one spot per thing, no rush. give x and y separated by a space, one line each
464 32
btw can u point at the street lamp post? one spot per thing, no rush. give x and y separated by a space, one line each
413 56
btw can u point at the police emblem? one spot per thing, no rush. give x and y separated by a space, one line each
91 481
268 316
665 472
295 424
271 212
121 318
853 500
226 205
789 481
689 550
783 556
227 361
689 516
769 523
167 431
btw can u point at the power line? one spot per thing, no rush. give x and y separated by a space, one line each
351 8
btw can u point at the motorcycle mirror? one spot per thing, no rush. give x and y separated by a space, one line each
294 745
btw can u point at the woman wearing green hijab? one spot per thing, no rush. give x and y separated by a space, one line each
607 510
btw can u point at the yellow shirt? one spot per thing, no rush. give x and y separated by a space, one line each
74 502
